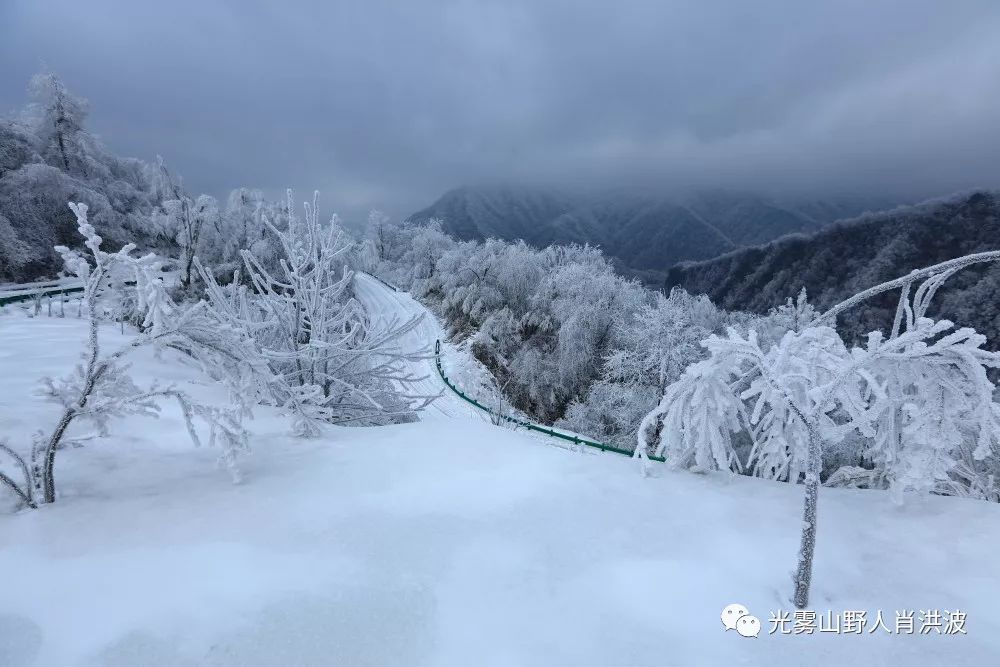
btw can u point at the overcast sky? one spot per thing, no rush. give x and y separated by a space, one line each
389 104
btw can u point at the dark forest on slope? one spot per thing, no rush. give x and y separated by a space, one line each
852 255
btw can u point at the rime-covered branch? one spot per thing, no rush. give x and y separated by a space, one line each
905 282
100 388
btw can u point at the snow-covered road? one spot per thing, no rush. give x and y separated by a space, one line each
386 307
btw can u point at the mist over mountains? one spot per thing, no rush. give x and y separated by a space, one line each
643 233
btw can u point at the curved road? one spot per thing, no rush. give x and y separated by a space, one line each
385 307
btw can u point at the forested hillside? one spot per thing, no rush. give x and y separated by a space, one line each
47 158
642 233
567 340
850 256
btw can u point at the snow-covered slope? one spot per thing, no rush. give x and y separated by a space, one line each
444 542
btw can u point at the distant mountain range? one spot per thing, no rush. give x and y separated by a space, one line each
644 234
849 256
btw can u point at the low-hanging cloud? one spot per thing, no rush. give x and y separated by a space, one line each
382 103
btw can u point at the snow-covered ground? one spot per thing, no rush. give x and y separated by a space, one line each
443 542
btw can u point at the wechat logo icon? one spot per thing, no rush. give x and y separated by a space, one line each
737 617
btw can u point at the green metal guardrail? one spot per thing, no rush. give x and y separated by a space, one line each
17 298
51 291
604 447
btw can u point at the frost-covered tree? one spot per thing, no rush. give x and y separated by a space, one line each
379 244
18 146
921 395
33 200
242 224
544 320
327 360
587 303
100 388
211 241
186 227
382 234
793 315
935 412
58 118
223 232
652 349
14 252
660 342
479 280
424 247
49 158
196 227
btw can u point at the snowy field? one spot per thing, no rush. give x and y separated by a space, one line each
444 542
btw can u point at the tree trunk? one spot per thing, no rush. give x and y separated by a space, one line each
807 547
49 462
62 148
48 478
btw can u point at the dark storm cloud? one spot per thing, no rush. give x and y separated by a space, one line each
390 103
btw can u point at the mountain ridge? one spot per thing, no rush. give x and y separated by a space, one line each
643 233
851 255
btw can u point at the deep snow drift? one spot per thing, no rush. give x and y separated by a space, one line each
444 542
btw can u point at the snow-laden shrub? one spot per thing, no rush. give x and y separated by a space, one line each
922 402
100 387
921 398
311 347
922 410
